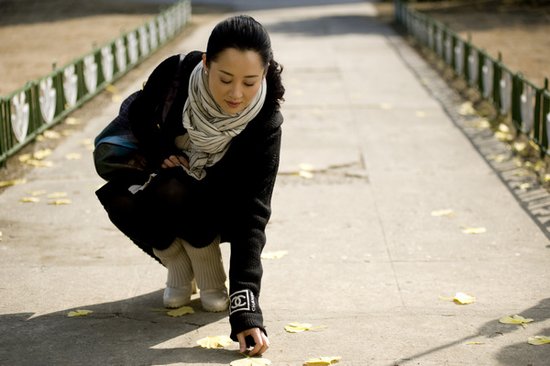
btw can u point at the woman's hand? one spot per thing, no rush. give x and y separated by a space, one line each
174 161
261 340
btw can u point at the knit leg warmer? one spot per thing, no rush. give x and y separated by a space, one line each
207 265
176 260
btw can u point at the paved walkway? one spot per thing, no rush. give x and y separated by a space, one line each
366 258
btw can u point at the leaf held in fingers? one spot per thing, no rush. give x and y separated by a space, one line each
320 361
515 319
184 310
215 342
274 255
538 340
79 312
251 361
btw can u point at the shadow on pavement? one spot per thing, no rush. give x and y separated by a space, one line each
518 354
125 332
333 25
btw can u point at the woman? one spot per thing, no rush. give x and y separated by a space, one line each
214 151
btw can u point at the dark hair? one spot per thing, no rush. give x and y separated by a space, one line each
244 33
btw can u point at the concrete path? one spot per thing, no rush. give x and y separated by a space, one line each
368 155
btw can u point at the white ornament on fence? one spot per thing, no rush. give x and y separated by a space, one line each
448 50
459 57
20 113
47 99
107 63
132 47
473 64
487 71
143 41
153 40
120 54
90 73
505 92
162 28
527 108
70 85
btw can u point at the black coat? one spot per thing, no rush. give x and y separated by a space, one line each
239 186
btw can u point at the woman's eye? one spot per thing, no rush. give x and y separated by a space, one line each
249 85
226 82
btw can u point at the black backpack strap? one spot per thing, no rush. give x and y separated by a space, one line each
171 95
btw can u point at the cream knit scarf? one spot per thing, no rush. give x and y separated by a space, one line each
210 129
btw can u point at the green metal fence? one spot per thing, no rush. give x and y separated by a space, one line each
511 94
42 103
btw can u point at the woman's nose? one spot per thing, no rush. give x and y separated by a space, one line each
236 92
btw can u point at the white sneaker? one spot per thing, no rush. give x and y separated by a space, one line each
215 300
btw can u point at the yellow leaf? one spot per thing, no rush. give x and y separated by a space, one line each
67 132
37 193
29 199
39 163
463 299
23 158
60 201
320 361
73 156
274 255
525 186
444 212
295 327
474 343
251 361
538 340
52 135
41 154
184 310
57 195
215 342
72 121
546 178
515 319
503 127
13 182
474 230
466 109
75 313
306 166
519 146
305 174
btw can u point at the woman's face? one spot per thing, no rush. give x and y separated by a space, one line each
234 78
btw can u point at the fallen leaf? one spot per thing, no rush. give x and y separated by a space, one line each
481 124
67 132
306 166
29 199
41 154
59 202
466 109
519 146
296 327
305 174
546 178
39 163
73 156
322 361
111 89
474 343
538 340
184 310
24 157
72 121
525 186
274 255
444 212
13 182
463 299
474 230
52 135
37 193
215 342
515 319
503 127
251 361
504 136
57 195
79 312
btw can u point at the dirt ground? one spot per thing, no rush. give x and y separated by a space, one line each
518 29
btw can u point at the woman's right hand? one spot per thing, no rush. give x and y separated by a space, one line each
174 161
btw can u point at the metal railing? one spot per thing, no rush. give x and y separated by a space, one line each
510 93
40 104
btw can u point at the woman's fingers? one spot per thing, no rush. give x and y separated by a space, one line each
173 161
242 342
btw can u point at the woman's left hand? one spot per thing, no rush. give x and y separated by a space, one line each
261 340
174 161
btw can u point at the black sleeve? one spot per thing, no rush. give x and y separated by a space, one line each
247 223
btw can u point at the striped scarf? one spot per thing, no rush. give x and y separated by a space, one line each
210 129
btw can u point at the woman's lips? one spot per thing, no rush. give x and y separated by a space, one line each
233 104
